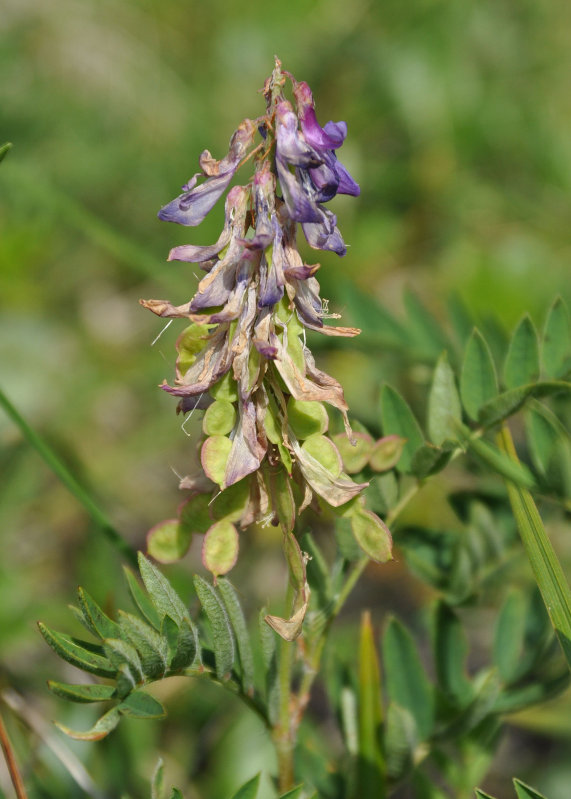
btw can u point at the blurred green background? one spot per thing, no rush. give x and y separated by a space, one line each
459 118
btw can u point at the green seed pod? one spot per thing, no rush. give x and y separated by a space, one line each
232 503
371 534
324 450
189 343
307 418
355 458
214 456
219 419
168 541
386 453
220 547
225 389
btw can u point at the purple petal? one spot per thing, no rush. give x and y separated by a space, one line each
300 206
346 183
331 136
290 145
324 235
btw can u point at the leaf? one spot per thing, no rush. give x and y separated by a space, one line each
176 794
444 410
398 419
238 622
121 653
509 402
524 791
546 567
100 624
478 379
461 319
223 640
249 790
157 781
487 690
141 599
509 635
483 795
163 595
4 150
429 459
367 313
401 739
295 793
544 432
450 652
220 547
372 534
82 693
515 699
556 345
317 571
186 646
522 361
407 684
371 766
141 705
151 646
100 729
78 653
168 541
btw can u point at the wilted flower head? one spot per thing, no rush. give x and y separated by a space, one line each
243 360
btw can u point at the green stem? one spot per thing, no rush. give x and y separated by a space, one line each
58 467
284 733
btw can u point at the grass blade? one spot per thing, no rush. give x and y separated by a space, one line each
544 562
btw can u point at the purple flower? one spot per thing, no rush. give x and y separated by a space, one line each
193 205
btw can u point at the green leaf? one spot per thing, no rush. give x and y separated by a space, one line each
371 766
544 432
100 624
429 459
249 790
522 361
295 793
223 640
82 693
176 794
78 653
398 419
168 541
141 705
407 683
4 150
317 570
509 635
524 791
428 335
486 690
401 740
186 646
483 795
546 567
556 345
367 313
372 534
141 599
164 597
450 652
461 319
238 622
157 781
509 402
152 648
478 380
121 653
100 729
220 547
444 410
515 699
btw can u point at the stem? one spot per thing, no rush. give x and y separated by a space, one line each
11 763
284 733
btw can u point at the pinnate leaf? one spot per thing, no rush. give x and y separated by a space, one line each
371 766
509 635
142 600
238 622
407 683
444 410
82 693
79 653
522 361
164 597
223 639
478 380
556 345
100 624
100 729
524 791
508 402
141 705
249 790
398 419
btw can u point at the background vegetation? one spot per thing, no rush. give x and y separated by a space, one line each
459 118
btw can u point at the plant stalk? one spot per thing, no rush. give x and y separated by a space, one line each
13 769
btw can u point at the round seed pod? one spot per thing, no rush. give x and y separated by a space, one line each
325 452
214 457
307 418
219 419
